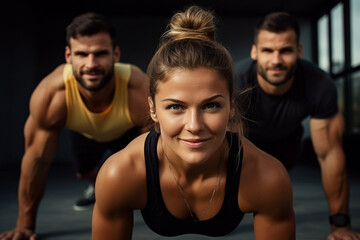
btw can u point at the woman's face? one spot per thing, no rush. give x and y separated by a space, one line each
192 109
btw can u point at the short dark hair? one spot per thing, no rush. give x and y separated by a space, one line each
89 24
278 22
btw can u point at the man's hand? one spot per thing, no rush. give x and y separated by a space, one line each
18 234
344 234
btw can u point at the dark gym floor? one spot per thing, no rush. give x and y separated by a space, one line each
57 220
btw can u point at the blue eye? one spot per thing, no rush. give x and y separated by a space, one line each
212 106
174 107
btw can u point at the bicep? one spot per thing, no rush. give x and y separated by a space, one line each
274 216
115 193
107 226
45 121
40 143
272 226
326 134
278 223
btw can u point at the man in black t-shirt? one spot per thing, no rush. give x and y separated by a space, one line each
275 121
284 91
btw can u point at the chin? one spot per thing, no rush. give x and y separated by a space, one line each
196 159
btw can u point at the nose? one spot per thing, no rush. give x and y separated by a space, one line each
91 61
276 58
194 122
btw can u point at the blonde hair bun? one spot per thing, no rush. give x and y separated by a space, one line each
194 23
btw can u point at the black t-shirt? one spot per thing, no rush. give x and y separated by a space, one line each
275 122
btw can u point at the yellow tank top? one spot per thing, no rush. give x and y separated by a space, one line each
104 126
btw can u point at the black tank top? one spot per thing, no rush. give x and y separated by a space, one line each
161 221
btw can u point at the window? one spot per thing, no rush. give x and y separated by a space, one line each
339 83
337 39
323 43
355 32
355 101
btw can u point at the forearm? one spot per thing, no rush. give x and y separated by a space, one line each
31 189
336 187
335 181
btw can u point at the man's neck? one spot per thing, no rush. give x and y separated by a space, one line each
98 101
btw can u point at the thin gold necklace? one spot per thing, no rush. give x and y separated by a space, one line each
182 192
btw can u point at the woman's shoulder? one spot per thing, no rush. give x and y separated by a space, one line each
130 156
121 180
263 178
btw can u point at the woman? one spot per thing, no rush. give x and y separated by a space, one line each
191 174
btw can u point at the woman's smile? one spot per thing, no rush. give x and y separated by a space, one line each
195 143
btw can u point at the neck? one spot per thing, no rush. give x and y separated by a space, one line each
193 187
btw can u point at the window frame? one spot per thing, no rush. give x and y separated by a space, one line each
348 70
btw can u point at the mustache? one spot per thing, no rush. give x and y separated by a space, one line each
92 71
277 67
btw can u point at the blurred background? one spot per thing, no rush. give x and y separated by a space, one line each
32 43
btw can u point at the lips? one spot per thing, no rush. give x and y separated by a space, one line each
92 76
195 143
93 71
276 71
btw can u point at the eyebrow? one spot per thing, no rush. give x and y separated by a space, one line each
206 100
281 49
287 48
99 52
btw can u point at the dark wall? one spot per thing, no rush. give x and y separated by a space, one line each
32 44
17 71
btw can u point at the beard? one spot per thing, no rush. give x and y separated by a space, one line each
105 79
290 72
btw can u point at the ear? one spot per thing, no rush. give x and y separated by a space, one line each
300 51
117 54
68 54
152 110
253 52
